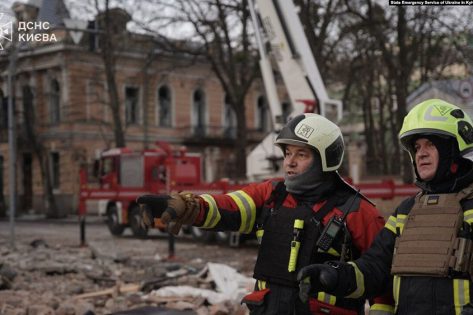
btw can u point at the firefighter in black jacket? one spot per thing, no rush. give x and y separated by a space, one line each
424 252
289 216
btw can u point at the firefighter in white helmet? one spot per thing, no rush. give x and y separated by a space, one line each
311 216
424 253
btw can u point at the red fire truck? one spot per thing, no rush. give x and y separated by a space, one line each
124 174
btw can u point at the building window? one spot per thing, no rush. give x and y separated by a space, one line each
261 114
229 119
131 105
164 107
55 169
198 113
54 102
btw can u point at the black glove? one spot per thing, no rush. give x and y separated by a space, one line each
151 207
334 277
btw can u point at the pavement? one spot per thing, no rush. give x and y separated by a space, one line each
69 219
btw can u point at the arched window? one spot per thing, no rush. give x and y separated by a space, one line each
198 112
54 102
229 119
164 112
262 114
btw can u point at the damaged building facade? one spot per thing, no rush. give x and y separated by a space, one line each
62 113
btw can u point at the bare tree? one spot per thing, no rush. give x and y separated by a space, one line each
408 39
321 21
39 150
220 33
110 35
30 136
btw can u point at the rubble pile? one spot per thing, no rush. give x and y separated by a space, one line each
39 279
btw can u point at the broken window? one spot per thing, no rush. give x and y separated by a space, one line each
164 107
229 119
198 113
131 105
262 114
54 102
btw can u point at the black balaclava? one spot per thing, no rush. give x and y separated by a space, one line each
311 184
453 172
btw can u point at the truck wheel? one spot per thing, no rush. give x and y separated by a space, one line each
112 220
134 218
202 235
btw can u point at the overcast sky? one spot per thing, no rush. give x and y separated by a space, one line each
141 11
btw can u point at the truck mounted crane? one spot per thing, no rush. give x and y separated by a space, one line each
281 40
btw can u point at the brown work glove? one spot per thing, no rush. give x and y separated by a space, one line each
151 208
183 208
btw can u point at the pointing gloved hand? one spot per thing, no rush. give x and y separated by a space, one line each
175 210
333 277
151 207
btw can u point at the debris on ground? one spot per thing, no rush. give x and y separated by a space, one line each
45 279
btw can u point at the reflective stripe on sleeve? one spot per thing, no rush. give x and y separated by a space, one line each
468 216
360 283
396 286
326 298
401 220
213 215
461 294
381 309
247 208
391 224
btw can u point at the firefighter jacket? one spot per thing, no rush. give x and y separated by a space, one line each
244 209
419 285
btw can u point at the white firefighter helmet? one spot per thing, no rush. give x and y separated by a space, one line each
318 133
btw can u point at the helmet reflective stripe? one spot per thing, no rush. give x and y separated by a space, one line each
437 117
316 132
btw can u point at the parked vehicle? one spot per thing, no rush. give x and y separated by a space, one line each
123 175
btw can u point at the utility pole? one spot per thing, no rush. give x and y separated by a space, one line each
12 141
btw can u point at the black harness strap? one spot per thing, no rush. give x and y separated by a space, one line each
325 209
279 194
277 197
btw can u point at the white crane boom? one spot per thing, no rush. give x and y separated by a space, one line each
278 26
